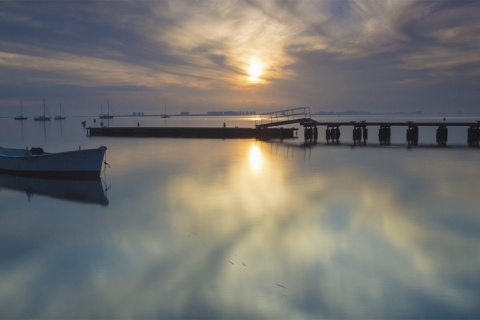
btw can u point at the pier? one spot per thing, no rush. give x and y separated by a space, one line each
360 130
278 125
195 132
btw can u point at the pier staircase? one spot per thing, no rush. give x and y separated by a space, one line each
284 117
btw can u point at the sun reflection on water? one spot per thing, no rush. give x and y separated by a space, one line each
256 159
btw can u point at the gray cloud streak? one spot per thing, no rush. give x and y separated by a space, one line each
208 45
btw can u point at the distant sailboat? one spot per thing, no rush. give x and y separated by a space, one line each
21 116
60 115
106 115
44 117
165 115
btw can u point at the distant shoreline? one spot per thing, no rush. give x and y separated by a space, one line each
319 113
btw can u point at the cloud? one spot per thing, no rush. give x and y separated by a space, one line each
438 58
205 47
234 31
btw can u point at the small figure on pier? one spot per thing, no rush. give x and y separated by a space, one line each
138 124
327 135
315 133
224 125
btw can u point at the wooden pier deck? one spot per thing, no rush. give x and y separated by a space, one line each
195 132
303 117
270 126
311 123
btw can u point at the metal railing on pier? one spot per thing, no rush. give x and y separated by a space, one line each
283 117
360 129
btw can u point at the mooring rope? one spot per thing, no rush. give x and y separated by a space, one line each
105 164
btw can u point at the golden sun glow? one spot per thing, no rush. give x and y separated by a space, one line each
255 158
255 70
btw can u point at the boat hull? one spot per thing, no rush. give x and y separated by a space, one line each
79 164
41 118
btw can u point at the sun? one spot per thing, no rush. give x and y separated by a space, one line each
255 70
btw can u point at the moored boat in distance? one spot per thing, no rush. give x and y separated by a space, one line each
77 164
165 115
106 115
61 115
21 116
43 117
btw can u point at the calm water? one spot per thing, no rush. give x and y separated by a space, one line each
198 228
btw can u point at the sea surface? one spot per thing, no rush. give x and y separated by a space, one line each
232 229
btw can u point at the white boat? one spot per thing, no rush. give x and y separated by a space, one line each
61 115
106 115
78 164
44 117
21 116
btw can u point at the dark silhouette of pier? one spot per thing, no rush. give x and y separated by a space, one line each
271 126
360 132
195 132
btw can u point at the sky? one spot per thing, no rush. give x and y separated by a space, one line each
241 55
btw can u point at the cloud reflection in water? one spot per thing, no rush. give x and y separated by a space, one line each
345 242
337 233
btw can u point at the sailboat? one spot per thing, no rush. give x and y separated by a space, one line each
44 117
21 116
165 115
60 116
106 115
